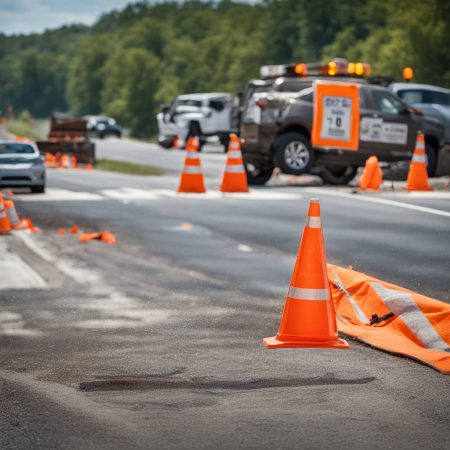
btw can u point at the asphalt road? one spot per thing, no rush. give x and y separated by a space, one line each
156 342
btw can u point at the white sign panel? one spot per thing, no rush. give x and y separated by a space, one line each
337 113
375 130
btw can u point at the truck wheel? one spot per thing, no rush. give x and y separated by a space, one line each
256 176
38 189
165 143
225 140
294 153
431 159
337 175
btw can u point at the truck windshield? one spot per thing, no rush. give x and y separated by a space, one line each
195 103
14 148
413 96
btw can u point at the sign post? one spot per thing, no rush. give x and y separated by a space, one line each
336 115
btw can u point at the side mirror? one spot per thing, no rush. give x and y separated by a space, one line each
165 108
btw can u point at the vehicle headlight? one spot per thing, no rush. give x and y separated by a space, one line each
38 161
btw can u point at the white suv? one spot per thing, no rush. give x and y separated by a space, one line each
210 116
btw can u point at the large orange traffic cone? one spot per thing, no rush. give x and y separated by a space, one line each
372 176
418 176
234 178
12 213
309 319
5 224
192 175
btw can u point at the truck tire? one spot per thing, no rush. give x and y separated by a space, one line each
294 153
256 176
338 175
225 140
165 143
38 189
431 159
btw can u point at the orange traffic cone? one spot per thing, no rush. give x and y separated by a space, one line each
234 178
192 175
176 144
73 162
5 224
64 162
372 177
309 319
418 176
89 166
12 213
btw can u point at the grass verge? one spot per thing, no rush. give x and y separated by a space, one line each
20 128
127 167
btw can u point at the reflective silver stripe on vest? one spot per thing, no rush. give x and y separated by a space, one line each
234 168
192 155
308 294
359 313
402 305
13 217
312 222
234 154
192 170
2 213
419 159
420 145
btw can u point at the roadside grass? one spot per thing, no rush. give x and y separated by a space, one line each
21 128
127 167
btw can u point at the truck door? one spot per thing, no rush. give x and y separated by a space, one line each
387 128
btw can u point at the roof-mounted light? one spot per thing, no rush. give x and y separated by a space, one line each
408 73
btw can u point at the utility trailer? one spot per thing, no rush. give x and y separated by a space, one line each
69 136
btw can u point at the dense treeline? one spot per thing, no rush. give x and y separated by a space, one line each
132 60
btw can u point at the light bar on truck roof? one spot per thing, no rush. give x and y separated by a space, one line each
337 67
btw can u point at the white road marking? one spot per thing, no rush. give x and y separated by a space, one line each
15 273
129 193
58 195
244 248
12 324
382 201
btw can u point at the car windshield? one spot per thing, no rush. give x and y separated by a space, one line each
15 148
413 96
188 102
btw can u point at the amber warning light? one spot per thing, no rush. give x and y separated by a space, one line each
408 73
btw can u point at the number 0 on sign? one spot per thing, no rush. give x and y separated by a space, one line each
336 115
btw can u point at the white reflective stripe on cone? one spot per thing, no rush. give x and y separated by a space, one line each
192 169
360 314
308 294
402 305
234 154
13 217
234 168
192 155
313 222
419 159
420 145
233 146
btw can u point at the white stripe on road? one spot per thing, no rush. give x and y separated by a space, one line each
381 201
58 195
402 305
16 273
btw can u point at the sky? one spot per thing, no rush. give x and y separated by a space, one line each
28 16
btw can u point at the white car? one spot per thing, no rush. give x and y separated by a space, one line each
210 116
21 165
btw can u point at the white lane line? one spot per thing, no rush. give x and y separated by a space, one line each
15 273
381 201
58 195
244 248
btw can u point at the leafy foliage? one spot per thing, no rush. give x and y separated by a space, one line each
132 60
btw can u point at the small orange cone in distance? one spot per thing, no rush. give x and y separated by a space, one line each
234 178
89 166
12 213
61 231
309 318
105 236
418 176
372 176
5 224
74 229
192 176
108 238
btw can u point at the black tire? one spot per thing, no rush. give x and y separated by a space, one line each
225 140
257 176
338 175
431 159
294 153
38 189
166 143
